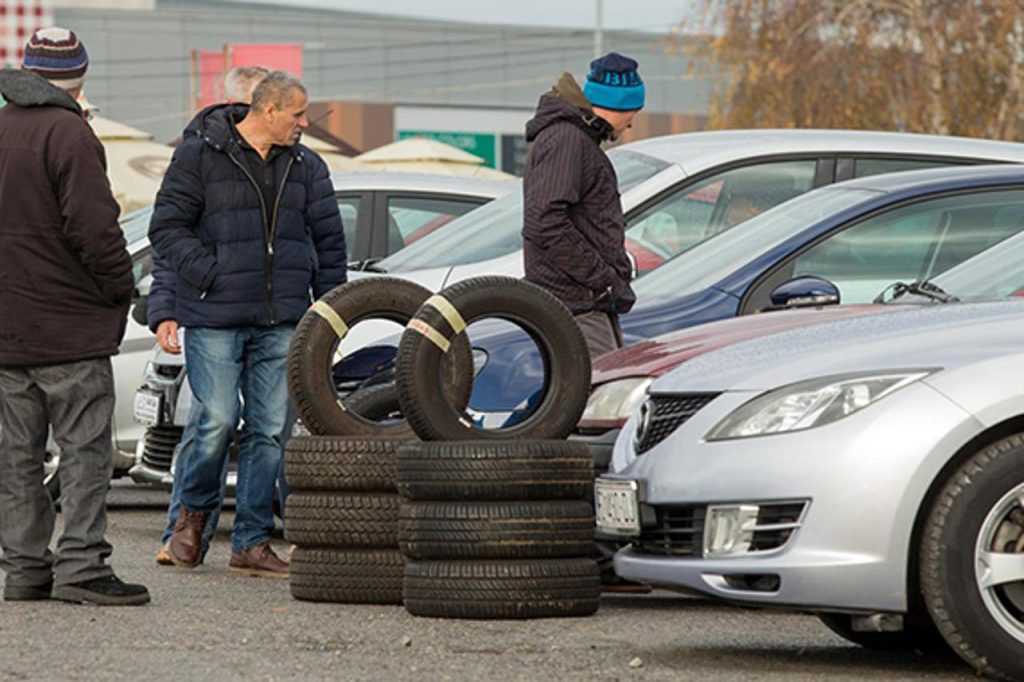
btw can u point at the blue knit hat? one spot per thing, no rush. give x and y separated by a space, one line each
613 83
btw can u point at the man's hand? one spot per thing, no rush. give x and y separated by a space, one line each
167 336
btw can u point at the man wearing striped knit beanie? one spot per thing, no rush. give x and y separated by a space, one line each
65 286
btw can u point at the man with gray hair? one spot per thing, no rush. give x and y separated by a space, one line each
240 81
65 286
247 222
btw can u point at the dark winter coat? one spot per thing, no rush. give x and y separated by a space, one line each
219 262
573 226
65 275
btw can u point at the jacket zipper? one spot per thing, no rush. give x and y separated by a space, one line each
270 240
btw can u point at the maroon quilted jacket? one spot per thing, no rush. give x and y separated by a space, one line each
573 243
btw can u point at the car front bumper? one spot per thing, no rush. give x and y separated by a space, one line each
863 480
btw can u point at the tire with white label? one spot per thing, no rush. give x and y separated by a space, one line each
439 326
541 588
312 353
488 470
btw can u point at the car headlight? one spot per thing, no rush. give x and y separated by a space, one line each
811 403
615 401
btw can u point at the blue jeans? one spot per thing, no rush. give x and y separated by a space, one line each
172 508
221 364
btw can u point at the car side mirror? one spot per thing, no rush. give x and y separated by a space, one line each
805 292
633 270
140 308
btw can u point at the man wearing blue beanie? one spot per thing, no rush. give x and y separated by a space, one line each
574 245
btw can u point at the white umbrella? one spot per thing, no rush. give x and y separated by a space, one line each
135 163
423 155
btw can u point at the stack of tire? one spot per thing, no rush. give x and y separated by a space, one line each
342 515
342 511
494 522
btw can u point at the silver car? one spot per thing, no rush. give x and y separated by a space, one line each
870 469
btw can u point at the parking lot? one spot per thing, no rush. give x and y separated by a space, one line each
208 624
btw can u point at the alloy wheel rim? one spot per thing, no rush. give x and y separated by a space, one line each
999 562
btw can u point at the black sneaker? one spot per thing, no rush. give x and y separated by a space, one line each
28 592
106 591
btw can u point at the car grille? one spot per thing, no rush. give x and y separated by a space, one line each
158 449
668 413
679 530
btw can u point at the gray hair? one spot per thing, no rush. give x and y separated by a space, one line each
276 89
239 82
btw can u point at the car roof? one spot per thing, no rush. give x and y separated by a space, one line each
422 182
696 151
937 179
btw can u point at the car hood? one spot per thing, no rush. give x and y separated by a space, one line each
940 336
657 356
509 265
433 278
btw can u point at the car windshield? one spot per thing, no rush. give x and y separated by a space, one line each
711 260
996 272
136 224
495 229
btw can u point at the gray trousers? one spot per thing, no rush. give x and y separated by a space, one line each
76 399
601 332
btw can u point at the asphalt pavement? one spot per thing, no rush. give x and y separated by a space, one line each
209 624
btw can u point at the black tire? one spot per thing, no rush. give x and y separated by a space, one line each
418 366
968 507
338 520
496 530
922 636
339 464
375 403
312 350
489 470
502 589
347 575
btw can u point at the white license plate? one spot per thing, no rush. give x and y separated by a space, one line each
617 507
147 409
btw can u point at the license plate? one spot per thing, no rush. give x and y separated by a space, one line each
617 507
148 407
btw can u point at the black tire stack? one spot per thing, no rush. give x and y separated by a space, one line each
342 515
497 530
495 524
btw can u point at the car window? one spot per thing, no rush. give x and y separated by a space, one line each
495 229
412 218
862 168
996 272
135 225
714 258
912 243
349 206
699 211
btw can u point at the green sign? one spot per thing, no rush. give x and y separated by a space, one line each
480 144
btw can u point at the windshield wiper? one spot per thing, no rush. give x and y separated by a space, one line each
922 288
368 265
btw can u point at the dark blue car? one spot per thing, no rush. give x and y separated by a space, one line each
862 236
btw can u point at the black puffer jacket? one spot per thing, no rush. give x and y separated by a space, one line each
573 228
65 276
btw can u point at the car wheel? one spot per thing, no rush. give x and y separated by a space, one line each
512 470
312 353
914 637
376 403
351 576
336 464
549 529
341 520
51 475
502 589
423 351
972 560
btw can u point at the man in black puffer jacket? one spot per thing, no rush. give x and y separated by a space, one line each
573 230
247 221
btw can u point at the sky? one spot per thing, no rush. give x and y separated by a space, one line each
646 15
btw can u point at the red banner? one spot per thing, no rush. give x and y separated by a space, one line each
276 56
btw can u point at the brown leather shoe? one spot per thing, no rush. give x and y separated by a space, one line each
258 561
185 545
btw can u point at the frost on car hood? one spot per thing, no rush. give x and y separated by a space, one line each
933 336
